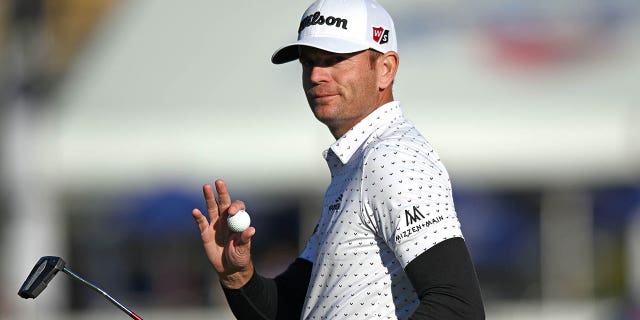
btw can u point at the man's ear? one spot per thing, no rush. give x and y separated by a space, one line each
387 67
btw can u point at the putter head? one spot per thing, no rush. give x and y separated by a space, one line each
45 269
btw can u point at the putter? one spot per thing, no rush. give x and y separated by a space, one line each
46 268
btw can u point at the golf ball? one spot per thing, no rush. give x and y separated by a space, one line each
239 221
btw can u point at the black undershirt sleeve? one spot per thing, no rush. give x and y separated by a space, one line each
292 289
280 298
446 283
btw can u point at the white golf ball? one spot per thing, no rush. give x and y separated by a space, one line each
239 221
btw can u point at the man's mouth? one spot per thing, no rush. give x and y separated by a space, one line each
318 95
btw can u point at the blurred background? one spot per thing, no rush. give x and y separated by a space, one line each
114 113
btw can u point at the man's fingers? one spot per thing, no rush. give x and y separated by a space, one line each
241 242
200 219
223 194
236 206
210 200
246 235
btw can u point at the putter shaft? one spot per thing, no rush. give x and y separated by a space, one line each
86 283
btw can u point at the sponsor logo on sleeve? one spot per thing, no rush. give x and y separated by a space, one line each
414 222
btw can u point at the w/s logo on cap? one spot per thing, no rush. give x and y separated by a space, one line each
380 35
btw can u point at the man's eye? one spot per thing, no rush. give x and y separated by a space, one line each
325 61
305 62
337 59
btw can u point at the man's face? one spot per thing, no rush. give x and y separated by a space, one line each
341 88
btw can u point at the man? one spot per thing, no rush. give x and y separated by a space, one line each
388 243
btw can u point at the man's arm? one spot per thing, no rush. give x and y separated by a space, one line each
250 295
446 283
279 298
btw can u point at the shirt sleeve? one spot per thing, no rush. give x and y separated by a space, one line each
407 198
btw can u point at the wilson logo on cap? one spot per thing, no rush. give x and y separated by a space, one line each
318 18
380 35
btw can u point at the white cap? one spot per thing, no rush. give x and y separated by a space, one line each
342 26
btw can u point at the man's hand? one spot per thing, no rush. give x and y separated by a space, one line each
228 252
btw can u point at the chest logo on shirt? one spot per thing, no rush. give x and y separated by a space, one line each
335 207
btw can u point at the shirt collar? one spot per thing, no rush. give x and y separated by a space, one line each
346 146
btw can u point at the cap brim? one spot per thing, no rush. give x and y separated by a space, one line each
290 52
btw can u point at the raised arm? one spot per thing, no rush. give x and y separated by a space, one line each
250 296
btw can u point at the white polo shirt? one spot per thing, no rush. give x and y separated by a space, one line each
388 202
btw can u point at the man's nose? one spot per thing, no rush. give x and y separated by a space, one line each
318 74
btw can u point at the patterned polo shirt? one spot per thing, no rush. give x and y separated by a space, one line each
389 201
